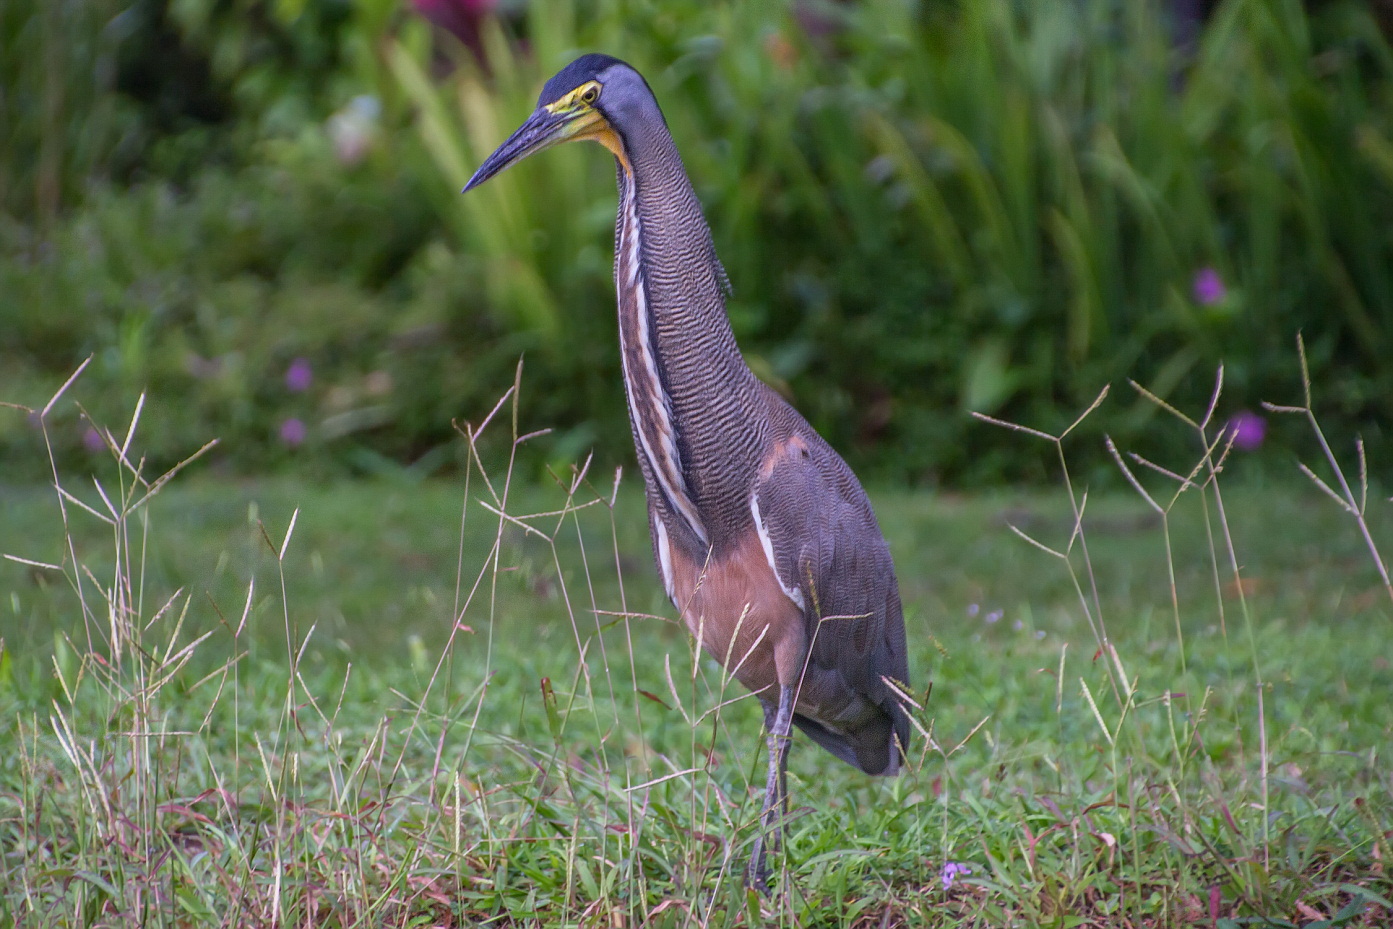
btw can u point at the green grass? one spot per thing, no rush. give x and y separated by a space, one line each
219 719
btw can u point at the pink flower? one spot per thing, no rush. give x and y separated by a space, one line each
299 376
461 17
354 128
1248 429
293 432
1209 287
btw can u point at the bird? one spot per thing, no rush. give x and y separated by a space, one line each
764 539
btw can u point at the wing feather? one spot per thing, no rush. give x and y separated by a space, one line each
827 546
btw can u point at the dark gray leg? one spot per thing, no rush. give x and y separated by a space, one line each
771 724
775 788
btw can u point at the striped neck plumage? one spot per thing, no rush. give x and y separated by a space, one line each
695 408
650 405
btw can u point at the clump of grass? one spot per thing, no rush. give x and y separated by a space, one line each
1155 732
265 790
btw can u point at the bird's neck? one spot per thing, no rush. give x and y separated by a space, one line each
699 416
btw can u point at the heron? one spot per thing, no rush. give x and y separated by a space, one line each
764 539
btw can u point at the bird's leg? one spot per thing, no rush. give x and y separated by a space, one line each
782 733
775 788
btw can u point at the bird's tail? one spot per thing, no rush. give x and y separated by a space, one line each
872 748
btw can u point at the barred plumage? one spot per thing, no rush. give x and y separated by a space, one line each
764 539
650 408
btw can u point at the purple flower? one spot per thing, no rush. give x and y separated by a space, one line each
292 432
92 440
298 376
995 616
1248 429
1209 287
951 871
973 609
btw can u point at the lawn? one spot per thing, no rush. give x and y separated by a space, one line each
380 703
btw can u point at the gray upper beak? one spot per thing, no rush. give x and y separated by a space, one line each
541 130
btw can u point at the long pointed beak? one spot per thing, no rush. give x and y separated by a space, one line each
543 129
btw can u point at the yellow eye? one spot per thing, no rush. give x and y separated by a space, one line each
590 94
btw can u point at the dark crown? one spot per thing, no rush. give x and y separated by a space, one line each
584 68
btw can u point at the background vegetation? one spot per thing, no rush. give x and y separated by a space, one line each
302 686
926 208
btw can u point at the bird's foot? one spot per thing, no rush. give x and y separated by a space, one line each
758 875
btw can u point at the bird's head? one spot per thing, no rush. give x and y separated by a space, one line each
587 99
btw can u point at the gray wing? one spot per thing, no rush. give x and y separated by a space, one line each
829 550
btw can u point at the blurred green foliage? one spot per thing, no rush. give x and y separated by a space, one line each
925 208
